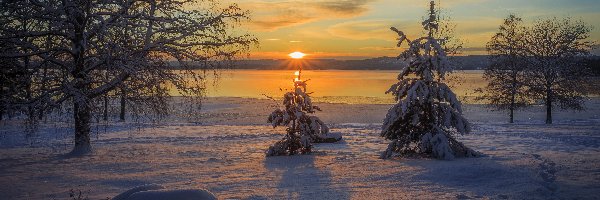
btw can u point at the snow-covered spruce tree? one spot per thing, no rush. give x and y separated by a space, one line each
507 71
302 128
427 115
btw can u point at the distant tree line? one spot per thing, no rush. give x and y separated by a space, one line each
545 63
593 64
471 62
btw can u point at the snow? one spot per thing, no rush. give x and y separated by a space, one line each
148 187
157 192
224 154
431 115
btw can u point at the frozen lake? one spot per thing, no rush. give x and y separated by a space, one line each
336 86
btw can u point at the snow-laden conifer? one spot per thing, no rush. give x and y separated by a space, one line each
427 115
302 129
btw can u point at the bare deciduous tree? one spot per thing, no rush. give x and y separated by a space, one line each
506 73
167 41
555 51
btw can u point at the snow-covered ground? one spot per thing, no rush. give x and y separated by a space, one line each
222 150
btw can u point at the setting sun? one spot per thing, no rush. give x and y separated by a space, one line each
297 55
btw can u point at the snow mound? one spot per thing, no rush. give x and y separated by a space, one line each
158 192
329 137
141 188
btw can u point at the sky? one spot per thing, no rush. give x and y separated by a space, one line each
359 29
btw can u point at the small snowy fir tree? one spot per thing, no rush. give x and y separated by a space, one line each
427 115
302 129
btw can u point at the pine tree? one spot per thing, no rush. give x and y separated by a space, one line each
427 115
506 74
302 128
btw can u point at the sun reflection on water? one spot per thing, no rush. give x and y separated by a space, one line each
338 86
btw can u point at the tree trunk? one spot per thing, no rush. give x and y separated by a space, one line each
81 103
105 112
40 114
123 101
45 74
548 107
511 120
512 97
28 92
512 109
2 103
28 95
81 113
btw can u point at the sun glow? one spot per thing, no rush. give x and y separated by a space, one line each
297 55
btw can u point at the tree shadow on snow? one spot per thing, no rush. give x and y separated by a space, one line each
480 177
32 160
302 179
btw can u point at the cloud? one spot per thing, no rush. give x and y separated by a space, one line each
348 7
269 15
272 15
478 26
295 41
372 29
443 4
473 32
377 48
459 2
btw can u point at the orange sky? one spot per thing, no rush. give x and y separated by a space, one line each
357 29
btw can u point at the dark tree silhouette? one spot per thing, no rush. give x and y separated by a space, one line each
506 73
167 40
555 48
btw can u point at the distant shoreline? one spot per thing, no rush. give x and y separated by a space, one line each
466 63
474 62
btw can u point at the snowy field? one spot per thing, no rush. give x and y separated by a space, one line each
222 150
